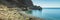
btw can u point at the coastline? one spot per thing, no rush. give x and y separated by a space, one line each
14 14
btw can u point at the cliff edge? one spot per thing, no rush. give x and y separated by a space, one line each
12 10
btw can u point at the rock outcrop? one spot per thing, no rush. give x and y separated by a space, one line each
17 3
14 14
12 10
36 8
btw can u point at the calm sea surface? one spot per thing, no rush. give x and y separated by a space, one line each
47 14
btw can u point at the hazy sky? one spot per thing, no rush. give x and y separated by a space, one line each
47 3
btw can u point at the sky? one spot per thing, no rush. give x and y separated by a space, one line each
47 3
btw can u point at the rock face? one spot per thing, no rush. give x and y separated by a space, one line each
17 3
36 8
9 10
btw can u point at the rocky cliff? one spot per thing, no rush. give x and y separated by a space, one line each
17 3
12 10
14 14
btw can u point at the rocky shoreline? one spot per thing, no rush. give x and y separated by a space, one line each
14 14
15 10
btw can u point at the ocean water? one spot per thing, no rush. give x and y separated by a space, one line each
47 14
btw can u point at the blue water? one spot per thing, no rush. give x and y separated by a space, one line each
47 14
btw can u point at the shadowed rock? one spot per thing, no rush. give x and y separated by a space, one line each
7 13
17 3
20 4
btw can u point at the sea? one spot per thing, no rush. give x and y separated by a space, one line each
47 14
